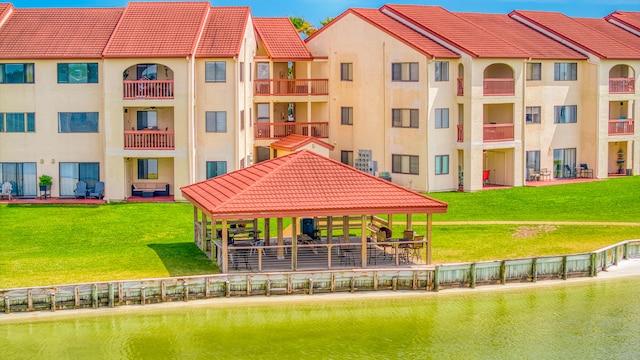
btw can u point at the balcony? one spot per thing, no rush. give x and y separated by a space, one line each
497 132
147 89
149 140
460 87
621 127
460 133
267 131
499 87
622 86
295 87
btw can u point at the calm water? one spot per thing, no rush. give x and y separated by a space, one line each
595 320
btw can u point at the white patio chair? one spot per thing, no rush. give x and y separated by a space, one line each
6 190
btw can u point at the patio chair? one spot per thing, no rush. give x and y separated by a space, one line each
568 173
98 192
80 190
585 172
485 177
6 190
532 175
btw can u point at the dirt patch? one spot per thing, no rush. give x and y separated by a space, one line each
528 232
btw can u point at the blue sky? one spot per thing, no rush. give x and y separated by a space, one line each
315 10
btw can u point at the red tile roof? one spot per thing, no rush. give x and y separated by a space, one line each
574 32
537 45
294 142
223 33
626 18
57 33
304 184
280 39
5 9
613 31
455 30
158 29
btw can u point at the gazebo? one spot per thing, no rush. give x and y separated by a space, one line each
333 212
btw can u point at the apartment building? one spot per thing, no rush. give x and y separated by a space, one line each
175 93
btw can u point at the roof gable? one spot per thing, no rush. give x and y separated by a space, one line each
611 30
304 184
576 33
223 32
158 29
628 19
537 45
280 39
57 33
294 142
454 30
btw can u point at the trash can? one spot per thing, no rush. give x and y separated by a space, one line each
385 175
308 226
628 172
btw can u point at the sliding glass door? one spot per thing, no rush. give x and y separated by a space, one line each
21 176
564 162
71 173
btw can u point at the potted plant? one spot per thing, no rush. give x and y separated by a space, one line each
45 182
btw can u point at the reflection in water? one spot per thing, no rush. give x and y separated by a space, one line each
598 319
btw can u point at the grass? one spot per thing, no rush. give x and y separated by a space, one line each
53 244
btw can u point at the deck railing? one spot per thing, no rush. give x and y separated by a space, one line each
285 87
147 89
622 86
149 140
497 87
460 87
426 278
498 132
284 129
460 133
621 127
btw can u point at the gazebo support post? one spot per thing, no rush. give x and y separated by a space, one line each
204 233
409 221
390 221
429 232
225 247
345 229
363 236
329 229
280 239
294 243
267 231
195 220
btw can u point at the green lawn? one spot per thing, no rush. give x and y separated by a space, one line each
49 244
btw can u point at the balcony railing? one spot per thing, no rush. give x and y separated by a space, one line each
291 87
460 133
621 127
622 86
497 132
460 86
500 87
147 89
149 140
280 130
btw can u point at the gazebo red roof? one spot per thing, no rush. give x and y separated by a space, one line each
304 184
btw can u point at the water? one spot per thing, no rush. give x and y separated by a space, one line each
586 320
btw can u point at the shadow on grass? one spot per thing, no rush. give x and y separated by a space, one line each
182 259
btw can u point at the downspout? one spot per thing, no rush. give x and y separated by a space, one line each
384 108
428 182
191 118
237 112
523 123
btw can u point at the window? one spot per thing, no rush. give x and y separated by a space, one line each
21 176
241 71
442 164
442 118
404 164
147 168
77 73
407 118
404 71
534 71
216 121
78 122
17 73
215 71
532 115
241 119
565 114
147 72
147 120
262 71
17 122
346 115
565 71
216 168
346 157
442 71
346 71
72 172
533 160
